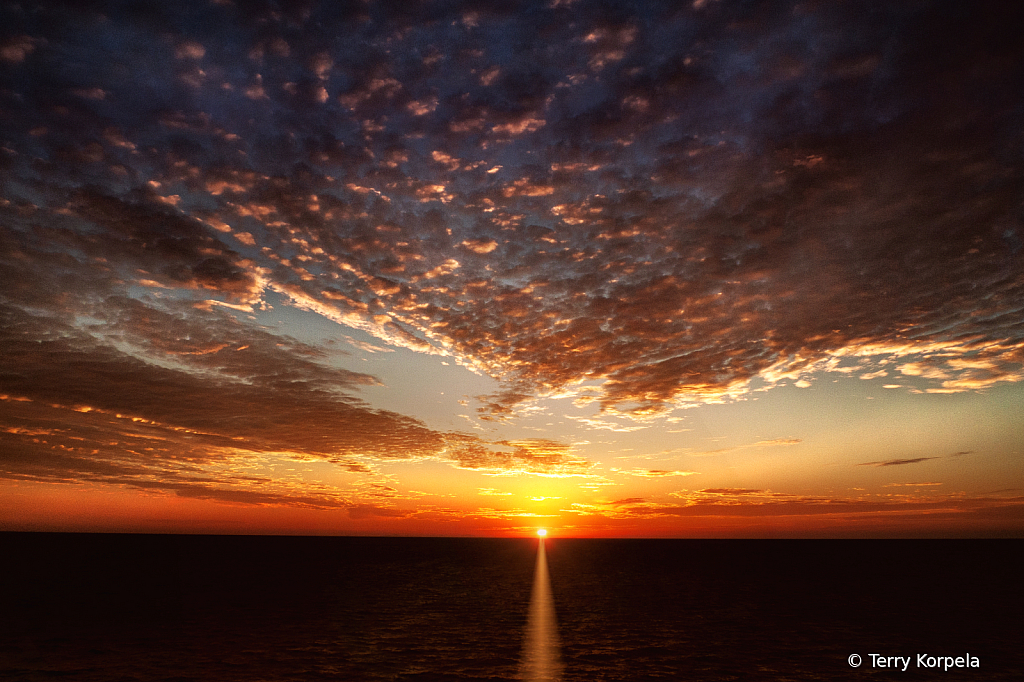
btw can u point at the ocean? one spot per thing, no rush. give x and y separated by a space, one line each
106 608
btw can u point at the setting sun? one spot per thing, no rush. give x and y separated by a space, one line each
541 532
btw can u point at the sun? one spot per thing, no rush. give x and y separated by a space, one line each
542 532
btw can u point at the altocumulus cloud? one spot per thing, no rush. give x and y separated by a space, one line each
662 201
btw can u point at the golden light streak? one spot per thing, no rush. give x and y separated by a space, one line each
541 661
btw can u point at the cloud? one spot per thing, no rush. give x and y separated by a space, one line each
658 473
491 492
538 456
480 246
256 396
896 462
605 425
15 49
201 405
778 442
363 511
367 347
739 503
769 443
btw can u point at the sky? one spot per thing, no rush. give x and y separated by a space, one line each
625 269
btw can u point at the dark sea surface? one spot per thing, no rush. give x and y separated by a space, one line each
270 609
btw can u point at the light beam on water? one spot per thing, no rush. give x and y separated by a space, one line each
541 661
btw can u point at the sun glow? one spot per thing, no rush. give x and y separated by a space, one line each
542 532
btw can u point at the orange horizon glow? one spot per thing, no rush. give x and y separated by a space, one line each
91 508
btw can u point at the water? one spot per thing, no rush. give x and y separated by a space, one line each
273 609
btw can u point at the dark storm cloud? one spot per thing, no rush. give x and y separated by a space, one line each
671 200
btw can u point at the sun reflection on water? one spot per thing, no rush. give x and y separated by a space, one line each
541 661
